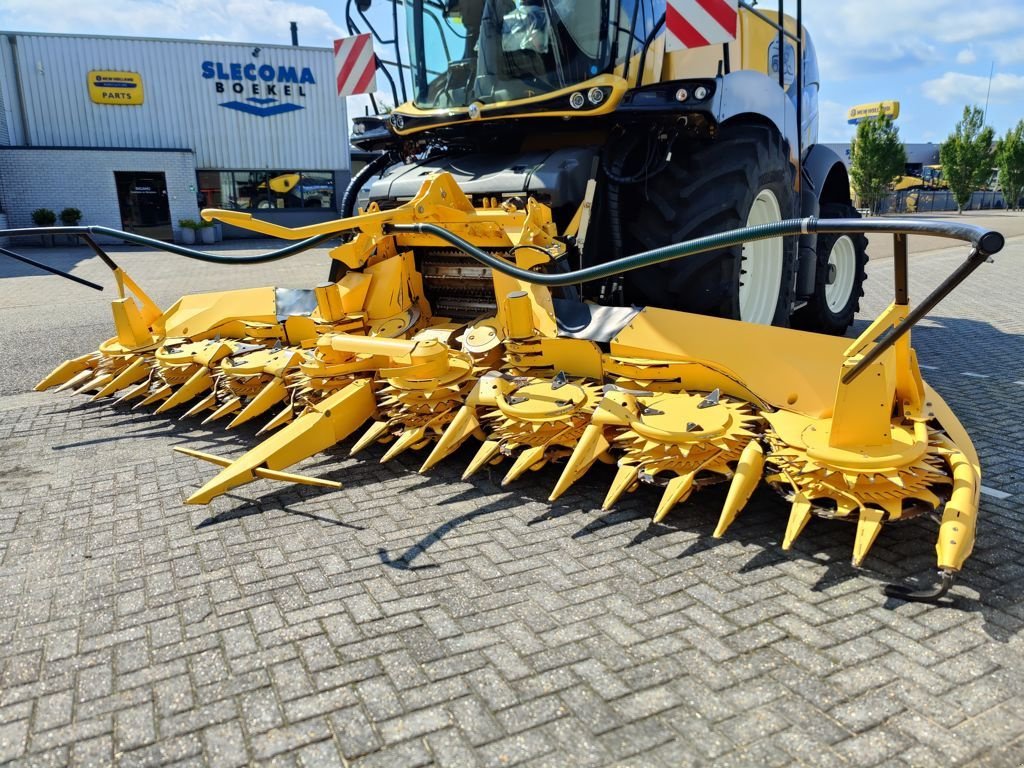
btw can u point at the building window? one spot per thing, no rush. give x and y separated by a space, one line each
262 190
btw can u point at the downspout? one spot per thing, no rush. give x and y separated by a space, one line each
20 86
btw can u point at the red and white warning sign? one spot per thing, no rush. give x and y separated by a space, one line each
354 65
694 23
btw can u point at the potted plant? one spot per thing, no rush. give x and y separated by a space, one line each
70 217
206 233
44 217
188 231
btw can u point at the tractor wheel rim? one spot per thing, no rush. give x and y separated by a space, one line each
842 262
761 264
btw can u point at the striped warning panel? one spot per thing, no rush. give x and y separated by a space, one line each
694 23
355 67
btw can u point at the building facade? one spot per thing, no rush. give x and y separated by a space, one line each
139 134
918 155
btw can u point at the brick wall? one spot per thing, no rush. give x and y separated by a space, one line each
32 178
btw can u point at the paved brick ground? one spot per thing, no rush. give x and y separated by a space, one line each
408 620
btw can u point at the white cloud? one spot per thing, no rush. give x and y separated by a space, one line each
881 37
958 88
262 21
832 125
1010 51
966 56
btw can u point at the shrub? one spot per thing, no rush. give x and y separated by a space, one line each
189 224
70 217
44 217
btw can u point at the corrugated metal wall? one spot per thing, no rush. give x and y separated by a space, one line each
182 109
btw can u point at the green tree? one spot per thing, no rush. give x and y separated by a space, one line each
1010 162
966 156
877 158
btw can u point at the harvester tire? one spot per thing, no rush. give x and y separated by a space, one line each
742 177
838 278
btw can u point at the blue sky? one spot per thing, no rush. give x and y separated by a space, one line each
934 56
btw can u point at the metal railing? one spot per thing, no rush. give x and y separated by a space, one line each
984 243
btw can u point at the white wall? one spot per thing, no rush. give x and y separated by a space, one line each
84 179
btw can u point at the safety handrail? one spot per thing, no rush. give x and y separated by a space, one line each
984 243
85 234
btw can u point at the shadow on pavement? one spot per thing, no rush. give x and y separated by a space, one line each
65 258
404 561
903 552
248 508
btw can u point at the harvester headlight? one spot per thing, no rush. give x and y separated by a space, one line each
397 120
595 96
682 94
474 111
358 129
700 92
576 101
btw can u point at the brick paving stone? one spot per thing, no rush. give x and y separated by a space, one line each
76 731
636 737
869 709
873 747
416 620
13 736
53 710
408 754
450 749
97 751
224 744
323 753
173 751
515 749
289 738
133 727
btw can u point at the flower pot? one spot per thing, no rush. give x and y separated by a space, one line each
188 236
207 235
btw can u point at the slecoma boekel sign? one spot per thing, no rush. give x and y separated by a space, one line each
262 87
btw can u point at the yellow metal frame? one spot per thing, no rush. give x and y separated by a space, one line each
676 400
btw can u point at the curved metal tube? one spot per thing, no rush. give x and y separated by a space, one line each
912 595
189 253
51 270
985 241
348 201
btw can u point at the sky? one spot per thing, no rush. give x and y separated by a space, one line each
933 56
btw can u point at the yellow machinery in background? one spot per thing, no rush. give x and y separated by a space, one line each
841 428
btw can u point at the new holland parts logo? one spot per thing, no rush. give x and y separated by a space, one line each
262 85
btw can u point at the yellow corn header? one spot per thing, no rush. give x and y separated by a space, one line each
840 428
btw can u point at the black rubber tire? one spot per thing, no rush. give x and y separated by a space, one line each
816 314
709 187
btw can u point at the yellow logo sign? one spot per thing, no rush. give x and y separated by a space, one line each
864 111
108 87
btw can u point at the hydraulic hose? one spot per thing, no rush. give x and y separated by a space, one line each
348 202
986 242
160 245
